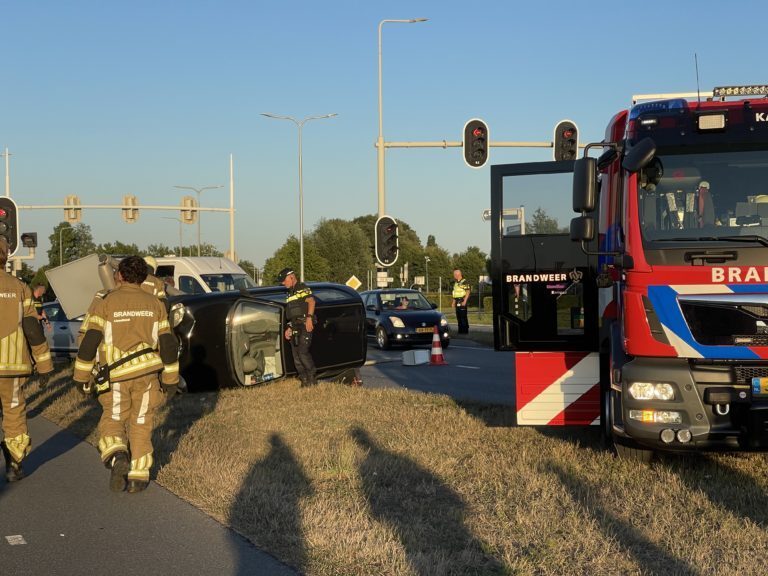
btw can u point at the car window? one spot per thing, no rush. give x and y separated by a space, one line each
404 301
190 285
329 294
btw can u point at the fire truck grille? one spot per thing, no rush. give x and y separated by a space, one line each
750 340
744 374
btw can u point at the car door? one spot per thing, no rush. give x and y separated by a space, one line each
545 296
256 348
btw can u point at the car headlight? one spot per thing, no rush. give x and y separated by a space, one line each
443 321
652 391
176 314
396 322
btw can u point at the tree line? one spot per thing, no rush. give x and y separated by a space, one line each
333 252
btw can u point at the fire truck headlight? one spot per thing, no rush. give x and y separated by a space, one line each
396 322
652 391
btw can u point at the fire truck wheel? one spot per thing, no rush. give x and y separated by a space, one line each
632 453
382 341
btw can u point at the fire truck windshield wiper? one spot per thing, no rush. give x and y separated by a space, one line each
748 238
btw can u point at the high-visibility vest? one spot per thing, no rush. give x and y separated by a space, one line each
460 288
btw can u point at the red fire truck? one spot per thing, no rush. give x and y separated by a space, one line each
650 319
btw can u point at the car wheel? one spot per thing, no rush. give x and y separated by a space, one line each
445 343
382 340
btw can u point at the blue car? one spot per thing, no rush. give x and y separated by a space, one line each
402 317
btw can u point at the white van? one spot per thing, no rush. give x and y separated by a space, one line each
198 275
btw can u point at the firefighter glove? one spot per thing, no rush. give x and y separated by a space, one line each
170 390
43 379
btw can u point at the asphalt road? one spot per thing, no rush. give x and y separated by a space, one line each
62 520
473 372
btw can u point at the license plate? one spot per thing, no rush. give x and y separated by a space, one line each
759 386
432 329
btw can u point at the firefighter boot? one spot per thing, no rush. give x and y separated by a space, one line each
14 451
120 465
138 477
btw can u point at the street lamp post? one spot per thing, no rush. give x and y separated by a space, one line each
380 141
300 124
181 238
199 191
426 264
61 246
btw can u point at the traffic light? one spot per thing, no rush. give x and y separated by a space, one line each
387 246
29 239
9 223
475 143
130 214
566 141
188 216
72 212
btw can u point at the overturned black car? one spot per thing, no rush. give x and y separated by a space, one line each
236 338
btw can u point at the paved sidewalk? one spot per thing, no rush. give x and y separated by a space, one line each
62 520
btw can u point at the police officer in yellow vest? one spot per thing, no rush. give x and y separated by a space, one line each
300 313
19 331
460 296
129 329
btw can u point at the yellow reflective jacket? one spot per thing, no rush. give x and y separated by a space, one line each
124 321
18 327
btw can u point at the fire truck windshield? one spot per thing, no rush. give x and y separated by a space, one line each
704 195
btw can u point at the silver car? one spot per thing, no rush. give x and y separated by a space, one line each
61 332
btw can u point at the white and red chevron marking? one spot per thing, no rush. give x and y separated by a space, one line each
557 388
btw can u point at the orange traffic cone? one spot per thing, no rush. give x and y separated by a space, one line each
436 358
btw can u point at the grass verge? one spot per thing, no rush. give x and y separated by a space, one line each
348 481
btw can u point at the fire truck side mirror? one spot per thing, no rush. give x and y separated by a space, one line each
584 185
583 229
639 156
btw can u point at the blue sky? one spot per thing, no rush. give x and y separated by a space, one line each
103 99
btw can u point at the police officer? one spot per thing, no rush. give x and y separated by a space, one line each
460 296
300 310
20 330
129 329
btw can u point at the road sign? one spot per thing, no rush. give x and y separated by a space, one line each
354 282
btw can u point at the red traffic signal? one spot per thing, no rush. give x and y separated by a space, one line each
9 223
476 143
386 241
566 141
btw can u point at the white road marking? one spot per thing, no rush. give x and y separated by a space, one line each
470 367
15 540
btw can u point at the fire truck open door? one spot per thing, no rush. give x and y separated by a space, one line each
545 299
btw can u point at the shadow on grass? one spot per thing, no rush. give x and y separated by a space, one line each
267 507
494 416
653 558
426 515
182 412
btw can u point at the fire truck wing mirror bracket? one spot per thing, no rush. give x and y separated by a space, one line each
584 185
639 156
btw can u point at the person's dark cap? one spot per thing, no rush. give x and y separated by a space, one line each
284 273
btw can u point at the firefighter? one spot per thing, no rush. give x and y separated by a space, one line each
460 296
300 310
152 284
129 329
20 330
